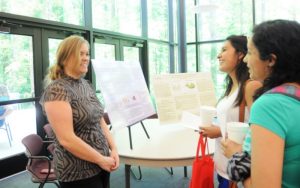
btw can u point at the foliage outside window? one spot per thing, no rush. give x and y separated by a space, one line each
191 58
53 45
158 58
279 9
209 63
131 53
218 19
16 65
158 62
176 58
158 19
67 11
190 21
122 16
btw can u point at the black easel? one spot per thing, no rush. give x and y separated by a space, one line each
130 137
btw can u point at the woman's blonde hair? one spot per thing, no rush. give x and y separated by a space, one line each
68 49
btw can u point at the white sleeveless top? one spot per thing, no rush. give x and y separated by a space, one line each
226 112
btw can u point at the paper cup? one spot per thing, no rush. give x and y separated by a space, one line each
207 114
237 131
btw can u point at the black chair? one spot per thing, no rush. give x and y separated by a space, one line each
39 166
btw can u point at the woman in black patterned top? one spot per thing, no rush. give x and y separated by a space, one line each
85 152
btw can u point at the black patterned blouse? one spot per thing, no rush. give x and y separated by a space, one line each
87 112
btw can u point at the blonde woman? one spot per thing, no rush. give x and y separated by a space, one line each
85 152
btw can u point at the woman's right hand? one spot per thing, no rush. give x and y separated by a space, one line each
211 131
107 163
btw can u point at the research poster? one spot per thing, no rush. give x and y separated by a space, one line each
126 96
175 93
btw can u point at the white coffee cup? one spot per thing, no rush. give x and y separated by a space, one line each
237 131
207 114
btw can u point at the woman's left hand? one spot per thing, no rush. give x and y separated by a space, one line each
114 154
230 147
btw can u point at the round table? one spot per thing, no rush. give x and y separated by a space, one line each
169 145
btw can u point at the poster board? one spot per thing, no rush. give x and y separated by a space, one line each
126 96
175 93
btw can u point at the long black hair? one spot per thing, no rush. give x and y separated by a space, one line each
281 38
239 43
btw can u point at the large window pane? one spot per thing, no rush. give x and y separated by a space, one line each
158 19
158 62
123 16
190 21
17 82
158 58
220 18
131 53
279 9
175 22
67 11
20 122
16 65
105 51
209 63
191 58
53 45
176 58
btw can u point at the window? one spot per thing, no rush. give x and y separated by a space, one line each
53 45
218 19
191 58
279 9
158 59
190 21
67 11
158 19
122 16
17 79
209 63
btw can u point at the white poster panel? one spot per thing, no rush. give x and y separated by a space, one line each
126 96
176 93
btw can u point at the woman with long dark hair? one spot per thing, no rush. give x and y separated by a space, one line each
273 142
238 89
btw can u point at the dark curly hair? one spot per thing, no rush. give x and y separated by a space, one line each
239 43
281 38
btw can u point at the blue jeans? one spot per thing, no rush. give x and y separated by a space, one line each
223 182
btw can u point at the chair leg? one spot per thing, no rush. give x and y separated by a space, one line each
169 171
7 129
135 176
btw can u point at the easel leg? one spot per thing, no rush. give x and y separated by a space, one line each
130 138
145 130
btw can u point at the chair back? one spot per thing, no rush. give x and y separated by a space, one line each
49 136
39 166
33 144
48 130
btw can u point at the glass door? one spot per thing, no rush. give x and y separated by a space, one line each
17 90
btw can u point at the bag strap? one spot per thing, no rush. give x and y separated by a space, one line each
202 144
286 89
242 110
243 105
